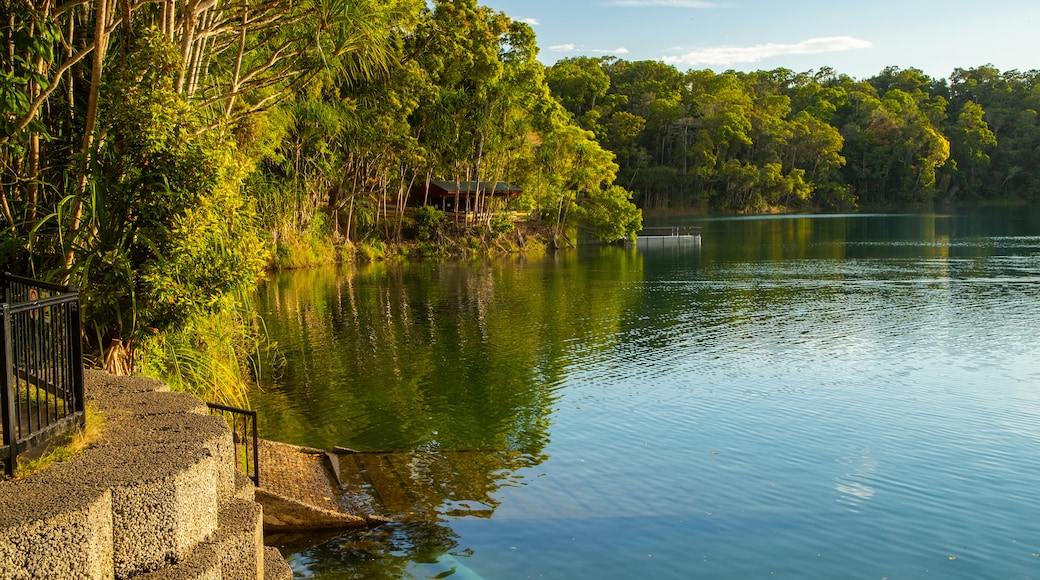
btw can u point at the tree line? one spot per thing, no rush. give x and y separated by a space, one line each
775 140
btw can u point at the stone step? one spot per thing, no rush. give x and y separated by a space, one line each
164 501
173 431
55 531
244 488
240 540
158 498
275 566
203 563
234 552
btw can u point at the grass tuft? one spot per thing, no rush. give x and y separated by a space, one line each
79 441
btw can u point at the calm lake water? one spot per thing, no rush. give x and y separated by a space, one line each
851 396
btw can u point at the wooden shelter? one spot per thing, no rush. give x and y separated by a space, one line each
464 196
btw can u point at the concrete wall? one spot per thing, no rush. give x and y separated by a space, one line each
158 497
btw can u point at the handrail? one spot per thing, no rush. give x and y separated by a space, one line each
8 277
41 365
248 435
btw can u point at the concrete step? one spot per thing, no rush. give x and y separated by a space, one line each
166 483
55 531
275 566
164 502
244 488
203 563
158 498
100 384
240 540
174 431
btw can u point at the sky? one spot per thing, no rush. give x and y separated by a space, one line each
859 38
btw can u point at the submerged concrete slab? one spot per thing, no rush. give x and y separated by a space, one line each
299 489
287 513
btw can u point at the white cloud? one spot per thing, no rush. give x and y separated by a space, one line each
563 48
531 21
667 3
619 50
728 55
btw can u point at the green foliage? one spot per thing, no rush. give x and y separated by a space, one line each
210 355
500 224
173 235
734 140
609 214
371 250
427 222
210 148
311 247
78 441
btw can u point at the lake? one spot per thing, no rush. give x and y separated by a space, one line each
852 396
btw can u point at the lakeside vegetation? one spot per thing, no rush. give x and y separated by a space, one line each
161 155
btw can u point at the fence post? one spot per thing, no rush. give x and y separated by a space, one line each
76 345
256 453
8 397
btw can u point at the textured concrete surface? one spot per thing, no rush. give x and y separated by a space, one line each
101 385
286 513
202 564
54 531
116 405
244 488
302 473
241 531
158 497
299 489
163 503
275 566
188 433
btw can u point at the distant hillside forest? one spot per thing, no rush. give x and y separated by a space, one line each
160 154
815 140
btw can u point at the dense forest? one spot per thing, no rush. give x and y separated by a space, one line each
160 155
775 140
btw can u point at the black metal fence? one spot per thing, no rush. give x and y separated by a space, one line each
243 428
41 365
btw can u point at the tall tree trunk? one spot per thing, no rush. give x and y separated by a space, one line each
189 17
237 75
6 210
90 122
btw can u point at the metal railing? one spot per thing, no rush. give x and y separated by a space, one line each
243 428
41 365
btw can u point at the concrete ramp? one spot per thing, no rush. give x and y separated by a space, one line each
304 488
299 490
422 484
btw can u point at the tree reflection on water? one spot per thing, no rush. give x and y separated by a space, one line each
452 366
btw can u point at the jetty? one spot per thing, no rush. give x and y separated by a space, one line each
668 236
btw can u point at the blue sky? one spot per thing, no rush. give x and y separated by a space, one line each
855 38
